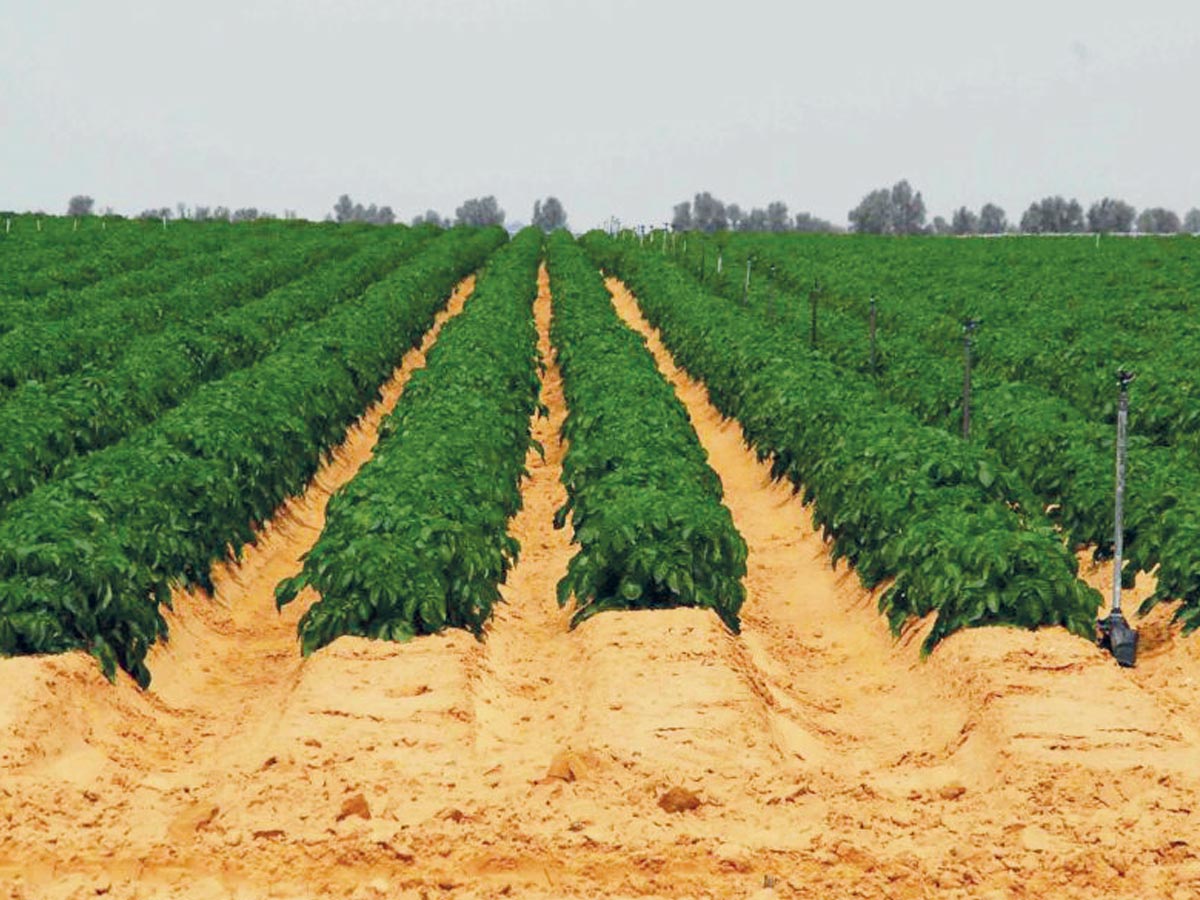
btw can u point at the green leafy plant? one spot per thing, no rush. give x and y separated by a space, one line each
50 425
86 559
417 541
1060 451
645 506
897 499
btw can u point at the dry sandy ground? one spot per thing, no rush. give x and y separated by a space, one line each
828 761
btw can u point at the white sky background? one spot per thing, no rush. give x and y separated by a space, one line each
614 106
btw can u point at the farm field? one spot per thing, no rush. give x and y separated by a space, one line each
399 562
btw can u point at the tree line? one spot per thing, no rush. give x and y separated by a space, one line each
704 212
896 210
901 210
548 214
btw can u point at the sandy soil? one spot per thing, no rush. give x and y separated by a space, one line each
821 758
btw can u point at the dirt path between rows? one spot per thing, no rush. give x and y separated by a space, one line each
827 760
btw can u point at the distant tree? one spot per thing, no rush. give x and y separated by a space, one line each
346 210
992 219
163 212
181 210
964 221
908 209
343 210
549 215
1191 222
681 220
431 217
80 205
778 218
479 212
873 215
734 215
755 220
708 213
900 210
941 226
222 213
1053 215
809 223
245 214
1109 215
1158 220
201 213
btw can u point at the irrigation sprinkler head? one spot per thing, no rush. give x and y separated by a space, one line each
969 325
1116 636
1125 378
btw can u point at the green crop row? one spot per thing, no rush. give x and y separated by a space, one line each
645 506
60 260
50 426
1061 315
86 560
101 333
900 500
417 540
161 274
1062 456
105 330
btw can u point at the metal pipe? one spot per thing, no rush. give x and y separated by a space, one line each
1123 380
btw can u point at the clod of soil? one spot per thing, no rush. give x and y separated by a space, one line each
355 806
678 799
952 791
565 766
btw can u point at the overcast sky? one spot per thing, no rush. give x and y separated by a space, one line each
616 107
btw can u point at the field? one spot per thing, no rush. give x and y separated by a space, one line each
358 561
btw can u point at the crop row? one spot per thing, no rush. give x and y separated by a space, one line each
900 500
85 560
162 274
1058 315
1061 454
105 329
49 426
38 263
417 541
645 506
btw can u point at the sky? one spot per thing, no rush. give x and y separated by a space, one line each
619 108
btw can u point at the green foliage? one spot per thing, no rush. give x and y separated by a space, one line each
1062 452
645 506
49 424
85 560
100 333
898 500
417 541
44 271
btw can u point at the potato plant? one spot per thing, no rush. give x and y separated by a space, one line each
645 506
50 425
899 500
85 560
417 541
